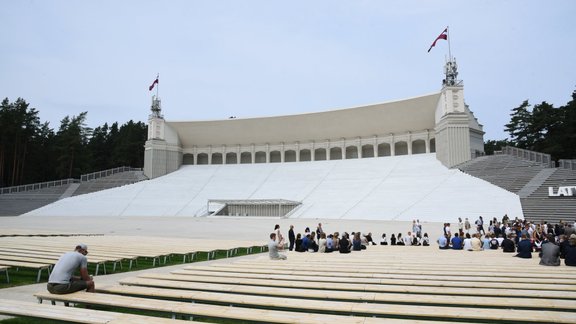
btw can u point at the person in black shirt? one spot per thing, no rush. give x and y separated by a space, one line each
508 245
291 237
344 244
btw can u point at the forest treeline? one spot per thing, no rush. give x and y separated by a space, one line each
31 151
542 128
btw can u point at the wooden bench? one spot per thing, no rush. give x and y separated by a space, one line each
205 310
510 290
76 315
357 310
30 265
223 271
94 258
415 281
229 294
446 271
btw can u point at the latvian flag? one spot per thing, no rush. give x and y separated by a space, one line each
153 84
443 35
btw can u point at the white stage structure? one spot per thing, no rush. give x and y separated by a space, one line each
387 188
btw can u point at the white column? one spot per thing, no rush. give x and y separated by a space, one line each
313 152
427 141
209 154
297 151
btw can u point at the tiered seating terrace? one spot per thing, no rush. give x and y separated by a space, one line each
506 171
540 207
381 284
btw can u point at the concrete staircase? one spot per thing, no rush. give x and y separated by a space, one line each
14 204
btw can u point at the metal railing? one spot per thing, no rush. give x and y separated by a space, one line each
106 173
542 158
63 182
37 186
567 164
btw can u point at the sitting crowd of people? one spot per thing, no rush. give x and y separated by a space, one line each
553 243
519 236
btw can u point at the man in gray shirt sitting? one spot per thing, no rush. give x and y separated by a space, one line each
62 280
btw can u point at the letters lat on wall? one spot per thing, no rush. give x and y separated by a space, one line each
567 191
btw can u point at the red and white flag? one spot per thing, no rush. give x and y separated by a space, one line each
153 84
443 35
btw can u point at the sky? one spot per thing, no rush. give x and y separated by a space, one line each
257 58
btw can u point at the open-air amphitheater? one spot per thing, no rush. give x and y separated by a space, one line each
218 187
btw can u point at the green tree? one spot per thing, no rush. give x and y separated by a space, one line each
71 141
19 126
99 149
129 145
519 126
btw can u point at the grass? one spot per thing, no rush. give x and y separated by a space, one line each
28 276
23 276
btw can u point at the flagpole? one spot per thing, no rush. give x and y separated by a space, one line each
449 50
157 84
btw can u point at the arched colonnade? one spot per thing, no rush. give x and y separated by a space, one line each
313 151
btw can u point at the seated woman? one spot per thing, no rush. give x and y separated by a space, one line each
493 243
467 243
335 241
393 240
322 243
383 240
329 243
344 244
298 243
357 242
312 245
425 240
399 239
369 239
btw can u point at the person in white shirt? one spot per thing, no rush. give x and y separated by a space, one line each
467 243
384 240
322 243
408 239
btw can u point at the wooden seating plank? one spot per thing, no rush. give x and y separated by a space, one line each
440 312
447 271
224 271
224 296
239 313
76 315
366 287
382 282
